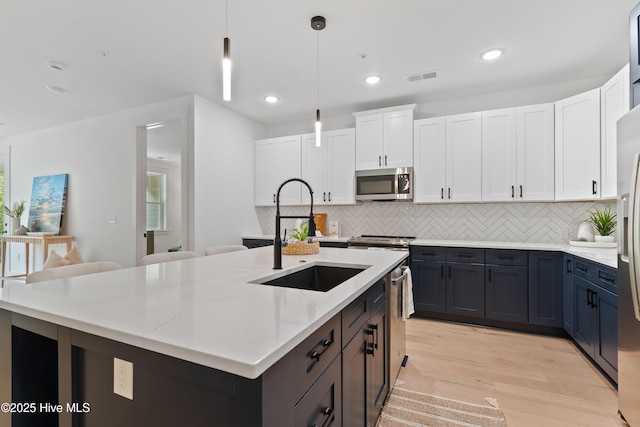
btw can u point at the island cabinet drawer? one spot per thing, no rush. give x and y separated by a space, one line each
466 255
428 253
354 316
322 405
378 294
607 278
315 353
507 257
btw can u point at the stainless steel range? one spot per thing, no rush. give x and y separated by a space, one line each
398 289
392 243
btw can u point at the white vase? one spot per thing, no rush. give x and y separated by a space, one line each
15 223
585 232
605 239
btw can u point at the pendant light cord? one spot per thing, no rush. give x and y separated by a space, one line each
226 17
318 71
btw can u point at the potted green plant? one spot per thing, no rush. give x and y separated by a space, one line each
604 222
15 212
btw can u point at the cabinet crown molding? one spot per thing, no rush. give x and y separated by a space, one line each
386 110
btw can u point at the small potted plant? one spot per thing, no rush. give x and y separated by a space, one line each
300 244
604 222
15 212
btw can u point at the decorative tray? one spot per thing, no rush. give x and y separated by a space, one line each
593 244
40 233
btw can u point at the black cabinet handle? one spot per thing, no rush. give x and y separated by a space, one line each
379 160
442 271
594 187
327 413
513 190
385 160
315 355
274 198
606 277
569 266
521 191
589 297
449 189
329 195
465 256
449 272
489 273
442 193
594 299
584 270
324 196
377 338
428 254
506 258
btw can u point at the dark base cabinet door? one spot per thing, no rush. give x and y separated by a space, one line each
584 316
378 386
607 349
507 293
567 294
429 286
545 288
355 373
465 289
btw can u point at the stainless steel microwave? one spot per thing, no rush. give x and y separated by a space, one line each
384 184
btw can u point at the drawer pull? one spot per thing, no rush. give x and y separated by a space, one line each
315 355
569 266
606 277
584 270
467 256
506 258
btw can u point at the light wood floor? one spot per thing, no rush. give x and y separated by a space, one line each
537 380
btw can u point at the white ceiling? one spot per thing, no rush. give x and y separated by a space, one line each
119 54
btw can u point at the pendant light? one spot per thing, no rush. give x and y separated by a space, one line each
318 23
226 59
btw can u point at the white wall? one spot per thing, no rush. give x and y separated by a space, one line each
224 180
490 101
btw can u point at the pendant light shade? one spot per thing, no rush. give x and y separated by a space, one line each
318 23
226 71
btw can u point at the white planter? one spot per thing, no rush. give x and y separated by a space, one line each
585 232
607 239
15 223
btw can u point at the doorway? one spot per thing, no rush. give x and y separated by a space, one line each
162 195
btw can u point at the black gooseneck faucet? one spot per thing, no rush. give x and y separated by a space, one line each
277 243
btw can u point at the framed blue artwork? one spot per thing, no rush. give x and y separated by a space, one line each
48 197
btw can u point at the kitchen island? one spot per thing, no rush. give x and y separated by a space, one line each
206 343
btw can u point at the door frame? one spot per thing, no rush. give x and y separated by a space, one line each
183 115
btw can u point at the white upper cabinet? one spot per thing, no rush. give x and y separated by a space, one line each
447 154
499 155
277 159
518 153
614 104
329 169
384 138
429 155
464 152
577 147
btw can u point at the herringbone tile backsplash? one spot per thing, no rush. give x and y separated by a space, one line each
506 222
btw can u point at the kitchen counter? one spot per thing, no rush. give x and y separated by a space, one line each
320 238
203 310
605 256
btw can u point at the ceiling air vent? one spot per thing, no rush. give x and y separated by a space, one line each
421 76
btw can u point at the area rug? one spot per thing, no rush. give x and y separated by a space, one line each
409 408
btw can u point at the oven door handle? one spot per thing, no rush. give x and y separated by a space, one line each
405 270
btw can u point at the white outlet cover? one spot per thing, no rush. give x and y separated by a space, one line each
123 378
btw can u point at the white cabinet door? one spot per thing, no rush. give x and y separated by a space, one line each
499 143
398 139
614 104
464 164
535 170
265 169
429 155
577 147
315 167
369 134
342 165
277 159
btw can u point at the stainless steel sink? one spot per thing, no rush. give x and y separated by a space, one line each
316 277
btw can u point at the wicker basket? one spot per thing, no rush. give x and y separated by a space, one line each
301 248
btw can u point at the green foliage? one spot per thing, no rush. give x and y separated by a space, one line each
301 233
16 210
604 221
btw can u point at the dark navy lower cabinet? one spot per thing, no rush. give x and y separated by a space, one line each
507 293
429 286
545 288
465 289
567 294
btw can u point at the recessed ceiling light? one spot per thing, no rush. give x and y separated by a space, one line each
492 54
55 89
372 80
271 99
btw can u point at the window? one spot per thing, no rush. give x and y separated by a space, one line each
156 201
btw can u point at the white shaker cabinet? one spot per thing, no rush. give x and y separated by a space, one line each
577 147
464 153
518 154
329 169
614 104
384 138
277 159
447 154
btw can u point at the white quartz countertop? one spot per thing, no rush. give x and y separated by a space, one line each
605 256
203 310
272 236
